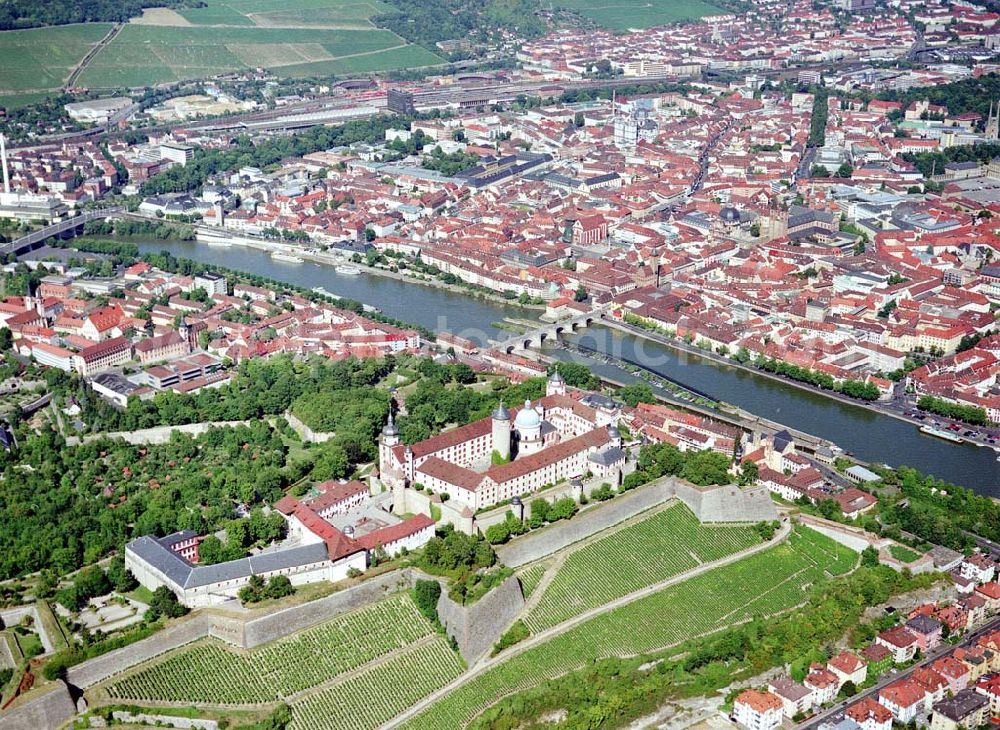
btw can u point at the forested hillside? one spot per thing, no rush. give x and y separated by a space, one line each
427 22
33 13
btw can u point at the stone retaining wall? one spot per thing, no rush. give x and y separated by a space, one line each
727 503
305 433
157 434
48 710
539 543
477 628
165 720
282 623
93 671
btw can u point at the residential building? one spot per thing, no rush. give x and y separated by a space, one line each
967 710
758 710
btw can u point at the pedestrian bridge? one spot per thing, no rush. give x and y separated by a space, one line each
550 332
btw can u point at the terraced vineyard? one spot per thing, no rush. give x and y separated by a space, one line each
664 544
379 693
531 577
209 672
766 583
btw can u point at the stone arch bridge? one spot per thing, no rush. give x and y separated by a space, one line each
550 332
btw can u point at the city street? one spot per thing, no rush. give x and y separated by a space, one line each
836 714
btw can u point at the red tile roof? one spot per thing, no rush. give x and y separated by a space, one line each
759 701
392 533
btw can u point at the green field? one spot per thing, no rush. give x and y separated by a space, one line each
903 554
210 672
662 545
626 14
42 58
145 54
393 58
763 584
329 13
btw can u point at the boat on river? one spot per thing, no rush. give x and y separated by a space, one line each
286 257
942 434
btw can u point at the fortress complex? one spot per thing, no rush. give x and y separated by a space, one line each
508 454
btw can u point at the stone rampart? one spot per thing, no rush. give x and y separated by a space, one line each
164 720
539 543
93 671
245 632
287 621
726 503
477 628
50 709
305 433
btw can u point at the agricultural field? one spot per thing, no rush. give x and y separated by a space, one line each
39 59
664 544
762 584
265 13
149 54
211 673
368 699
623 15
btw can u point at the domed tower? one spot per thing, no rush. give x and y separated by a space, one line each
528 425
501 431
614 435
556 384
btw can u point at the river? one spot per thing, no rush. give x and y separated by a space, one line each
864 433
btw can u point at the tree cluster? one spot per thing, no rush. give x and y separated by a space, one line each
16 14
427 22
969 414
698 467
258 590
88 583
207 163
258 529
851 388
450 163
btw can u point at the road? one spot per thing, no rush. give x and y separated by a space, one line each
836 713
80 67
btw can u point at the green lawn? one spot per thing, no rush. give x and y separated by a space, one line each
144 54
29 644
331 13
626 14
34 60
903 554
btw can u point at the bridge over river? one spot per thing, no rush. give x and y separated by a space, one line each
549 333
63 229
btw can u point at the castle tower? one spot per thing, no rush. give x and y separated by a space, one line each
528 425
556 384
501 431
390 438
614 436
